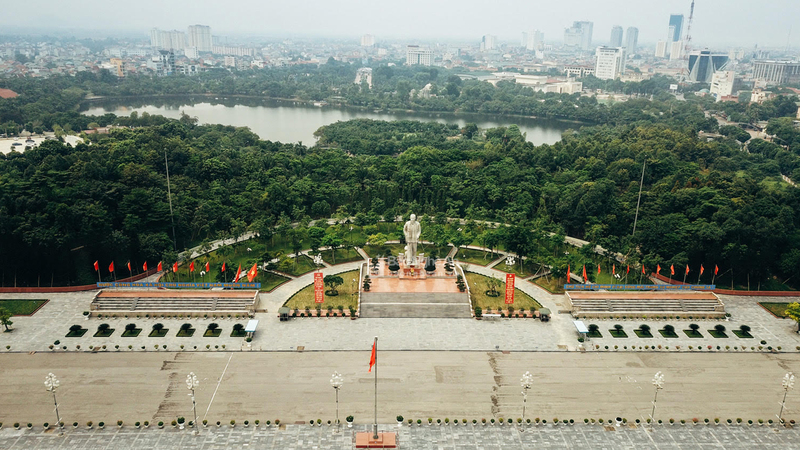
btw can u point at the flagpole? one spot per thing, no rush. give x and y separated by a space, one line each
375 425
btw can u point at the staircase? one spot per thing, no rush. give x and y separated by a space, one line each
415 305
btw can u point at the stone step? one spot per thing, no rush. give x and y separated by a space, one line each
412 298
411 310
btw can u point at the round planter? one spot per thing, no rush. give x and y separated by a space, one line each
349 424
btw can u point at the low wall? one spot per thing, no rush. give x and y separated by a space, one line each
88 287
734 292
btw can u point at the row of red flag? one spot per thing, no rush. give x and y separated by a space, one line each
251 274
644 270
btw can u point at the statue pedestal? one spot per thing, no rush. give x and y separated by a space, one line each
412 272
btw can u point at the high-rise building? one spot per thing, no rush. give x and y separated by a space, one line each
703 64
167 40
616 36
200 37
661 49
488 42
776 72
418 56
675 27
610 62
722 84
631 41
367 40
364 74
579 35
525 37
676 50
533 40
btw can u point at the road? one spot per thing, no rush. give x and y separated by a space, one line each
294 386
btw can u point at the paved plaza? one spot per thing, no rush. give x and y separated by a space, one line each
296 437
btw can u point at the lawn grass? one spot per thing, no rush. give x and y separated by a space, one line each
596 334
186 333
618 334
79 333
478 287
106 333
235 333
342 256
643 334
269 280
385 250
471 256
348 295
693 334
213 333
529 269
132 333
742 334
550 284
303 264
668 335
21 307
718 334
777 309
160 334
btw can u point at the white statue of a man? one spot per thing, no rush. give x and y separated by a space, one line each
412 231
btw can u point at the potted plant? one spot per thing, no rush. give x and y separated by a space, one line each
233 423
319 422
419 422
160 424
119 423
74 425
246 423
483 422
16 425
474 422
181 422
101 425
349 421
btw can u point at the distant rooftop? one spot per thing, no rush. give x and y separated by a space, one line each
8 93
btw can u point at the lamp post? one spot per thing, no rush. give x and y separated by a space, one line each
788 384
52 383
658 382
525 382
191 384
336 383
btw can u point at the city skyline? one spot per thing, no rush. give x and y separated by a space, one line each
715 22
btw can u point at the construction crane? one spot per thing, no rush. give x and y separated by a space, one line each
688 47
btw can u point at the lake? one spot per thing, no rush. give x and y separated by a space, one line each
287 121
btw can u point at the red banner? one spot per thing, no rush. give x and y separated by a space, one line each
510 277
319 288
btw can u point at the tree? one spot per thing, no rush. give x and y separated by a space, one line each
469 130
158 327
5 318
332 281
213 326
793 312
333 241
130 327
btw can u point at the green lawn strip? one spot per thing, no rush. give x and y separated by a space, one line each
235 333
21 307
186 333
471 256
213 333
160 334
478 287
348 295
550 284
77 334
777 309
106 333
618 334
269 280
668 335
693 334
342 256
741 334
642 334
132 333
718 334
528 270
596 334
385 250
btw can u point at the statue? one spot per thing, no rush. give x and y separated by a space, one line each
412 231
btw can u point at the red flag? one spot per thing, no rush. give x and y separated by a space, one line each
251 274
643 270
701 269
223 266
628 270
374 356
191 267
175 267
111 267
598 269
208 267
687 270
96 266
672 269
129 267
238 273
568 273
613 269
658 269
160 267
716 269
144 266
585 278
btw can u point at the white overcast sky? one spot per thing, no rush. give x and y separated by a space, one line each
717 22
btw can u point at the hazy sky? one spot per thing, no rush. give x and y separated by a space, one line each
740 22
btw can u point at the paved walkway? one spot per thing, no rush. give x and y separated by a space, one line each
469 437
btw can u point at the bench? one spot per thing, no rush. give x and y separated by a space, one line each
491 316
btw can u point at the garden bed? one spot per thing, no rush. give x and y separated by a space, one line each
235 333
186 333
618 333
668 335
777 309
104 333
159 334
347 298
742 334
718 334
213 333
472 256
693 334
78 333
131 333
22 307
342 256
478 287
643 334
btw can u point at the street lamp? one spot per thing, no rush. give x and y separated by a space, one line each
336 383
788 384
525 382
658 382
52 383
191 384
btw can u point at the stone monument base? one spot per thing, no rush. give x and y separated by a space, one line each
366 439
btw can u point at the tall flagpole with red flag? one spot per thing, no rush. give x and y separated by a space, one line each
373 361
716 271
